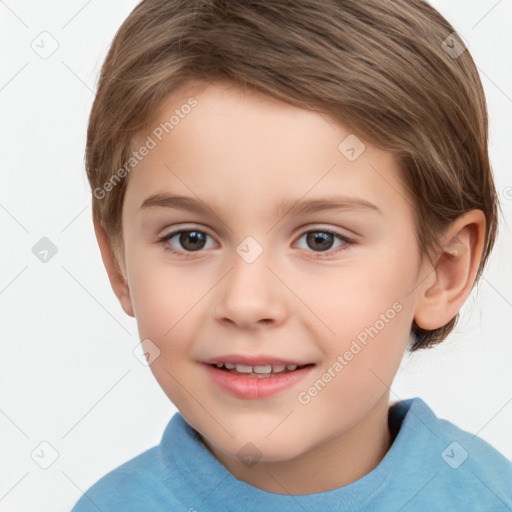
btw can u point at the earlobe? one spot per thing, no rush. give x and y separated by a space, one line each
117 279
454 273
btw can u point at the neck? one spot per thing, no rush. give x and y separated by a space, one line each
333 464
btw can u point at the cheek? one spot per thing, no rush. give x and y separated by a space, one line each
164 297
167 303
369 312
365 293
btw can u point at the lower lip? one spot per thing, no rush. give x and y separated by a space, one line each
243 386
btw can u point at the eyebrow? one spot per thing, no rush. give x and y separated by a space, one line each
295 206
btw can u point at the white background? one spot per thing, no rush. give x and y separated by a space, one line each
68 374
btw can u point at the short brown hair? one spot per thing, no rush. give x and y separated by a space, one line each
381 67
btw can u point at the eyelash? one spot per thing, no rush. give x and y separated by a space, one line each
318 254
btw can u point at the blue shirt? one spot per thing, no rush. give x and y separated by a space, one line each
432 465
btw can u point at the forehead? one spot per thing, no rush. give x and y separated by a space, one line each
242 147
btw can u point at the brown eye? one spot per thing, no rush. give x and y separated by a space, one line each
319 240
188 240
192 240
322 240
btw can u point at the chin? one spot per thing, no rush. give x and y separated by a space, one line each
256 448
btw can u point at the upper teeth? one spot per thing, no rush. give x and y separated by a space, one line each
269 368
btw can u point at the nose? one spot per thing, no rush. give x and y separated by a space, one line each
251 294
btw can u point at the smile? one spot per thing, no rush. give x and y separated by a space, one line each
255 382
257 371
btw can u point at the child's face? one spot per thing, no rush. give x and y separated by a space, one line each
353 303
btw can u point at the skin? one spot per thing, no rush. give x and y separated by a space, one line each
242 153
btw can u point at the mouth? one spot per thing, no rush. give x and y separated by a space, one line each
256 382
263 371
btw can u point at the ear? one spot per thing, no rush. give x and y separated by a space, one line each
117 279
454 272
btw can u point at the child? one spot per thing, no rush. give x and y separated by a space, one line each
261 129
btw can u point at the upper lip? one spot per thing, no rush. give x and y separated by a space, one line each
253 360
